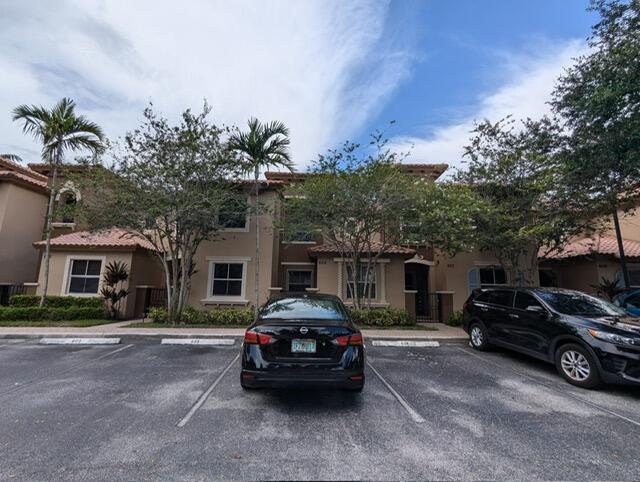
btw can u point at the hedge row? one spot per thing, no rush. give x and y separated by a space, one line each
381 317
57 301
34 313
192 316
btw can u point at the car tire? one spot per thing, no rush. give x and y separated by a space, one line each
357 389
478 337
577 366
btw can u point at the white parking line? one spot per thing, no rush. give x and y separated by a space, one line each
198 341
79 341
205 395
554 388
415 416
412 343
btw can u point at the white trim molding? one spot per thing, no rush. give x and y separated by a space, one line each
66 278
364 260
297 263
425 262
240 299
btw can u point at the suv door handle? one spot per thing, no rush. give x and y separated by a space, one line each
484 309
512 315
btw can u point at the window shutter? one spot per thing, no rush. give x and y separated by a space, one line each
619 279
473 279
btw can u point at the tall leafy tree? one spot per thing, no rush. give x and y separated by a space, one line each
168 185
599 99
516 170
261 146
59 130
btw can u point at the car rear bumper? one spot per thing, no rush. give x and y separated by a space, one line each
351 379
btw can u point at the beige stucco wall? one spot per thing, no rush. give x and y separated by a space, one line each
451 273
629 225
238 245
59 266
328 275
22 213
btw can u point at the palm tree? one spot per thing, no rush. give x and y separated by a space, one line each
12 157
59 130
263 145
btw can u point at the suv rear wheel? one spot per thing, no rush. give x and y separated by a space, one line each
478 337
577 366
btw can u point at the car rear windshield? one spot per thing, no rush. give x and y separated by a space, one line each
304 308
575 303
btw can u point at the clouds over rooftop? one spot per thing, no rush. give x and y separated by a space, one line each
524 83
322 67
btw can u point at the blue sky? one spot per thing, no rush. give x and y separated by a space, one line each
331 70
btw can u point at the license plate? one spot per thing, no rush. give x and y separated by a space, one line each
303 346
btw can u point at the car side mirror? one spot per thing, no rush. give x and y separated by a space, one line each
538 310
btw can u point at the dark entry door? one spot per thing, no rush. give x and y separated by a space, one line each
416 278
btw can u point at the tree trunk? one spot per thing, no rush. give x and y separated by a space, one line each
47 247
257 262
623 260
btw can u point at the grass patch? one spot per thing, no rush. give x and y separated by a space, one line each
152 324
49 323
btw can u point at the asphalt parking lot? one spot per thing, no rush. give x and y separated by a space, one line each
136 411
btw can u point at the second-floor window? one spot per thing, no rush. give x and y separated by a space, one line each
67 206
233 215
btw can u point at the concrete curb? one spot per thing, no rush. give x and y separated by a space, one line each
11 336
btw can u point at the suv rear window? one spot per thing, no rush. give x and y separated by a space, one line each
304 308
497 297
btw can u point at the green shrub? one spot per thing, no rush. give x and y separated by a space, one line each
455 319
157 315
192 316
381 317
34 313
57 301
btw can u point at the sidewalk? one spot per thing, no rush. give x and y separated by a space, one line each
444 333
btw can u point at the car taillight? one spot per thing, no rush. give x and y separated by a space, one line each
349 339
254 338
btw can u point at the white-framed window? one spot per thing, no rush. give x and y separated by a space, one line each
83 276
298 280
227 279
492 276
485 276
363 288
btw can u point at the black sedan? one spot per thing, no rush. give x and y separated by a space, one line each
588 339
301 340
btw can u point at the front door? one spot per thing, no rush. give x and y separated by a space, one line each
416 277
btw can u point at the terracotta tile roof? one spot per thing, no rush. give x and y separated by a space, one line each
430 171
112 238
6 164
606 245
24 179
392 249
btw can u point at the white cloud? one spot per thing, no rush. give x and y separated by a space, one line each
319 66
528 83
